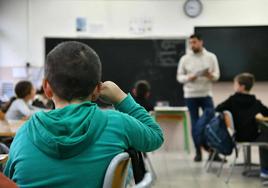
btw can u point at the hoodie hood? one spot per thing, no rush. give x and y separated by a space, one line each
244 100
67 132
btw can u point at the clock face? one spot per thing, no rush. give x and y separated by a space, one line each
193 8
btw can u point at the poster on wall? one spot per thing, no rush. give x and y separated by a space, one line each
81 24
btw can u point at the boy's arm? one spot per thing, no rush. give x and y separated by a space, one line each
216 70
9 169
24 109
182 75
143 133
264 109
225 105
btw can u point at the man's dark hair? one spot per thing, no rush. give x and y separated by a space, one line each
245 79
142 88
73 70
197 36
23 88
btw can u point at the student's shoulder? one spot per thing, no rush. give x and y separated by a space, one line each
21 136
209 53
18 102
22 129
114 114
118 118
185 57
259 102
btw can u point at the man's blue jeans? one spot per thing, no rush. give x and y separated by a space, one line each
199 121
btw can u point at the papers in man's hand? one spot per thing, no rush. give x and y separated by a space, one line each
201 72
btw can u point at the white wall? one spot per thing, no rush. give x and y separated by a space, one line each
25 23
13 32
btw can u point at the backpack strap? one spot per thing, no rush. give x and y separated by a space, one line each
138 166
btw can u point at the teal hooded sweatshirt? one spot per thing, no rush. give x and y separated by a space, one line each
72 146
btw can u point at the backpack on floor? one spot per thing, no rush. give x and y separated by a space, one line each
218 137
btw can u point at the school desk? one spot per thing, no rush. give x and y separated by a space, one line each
178 114
9 128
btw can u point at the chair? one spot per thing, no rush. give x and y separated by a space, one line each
116 173
149 165
3 158
229 124
2 116
4 150
6 183
245 145
146 182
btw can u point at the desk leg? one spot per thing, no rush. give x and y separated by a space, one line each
186 135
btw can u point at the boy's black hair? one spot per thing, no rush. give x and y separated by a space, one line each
197 36
73 70
40 91
142 88
245 79
23 88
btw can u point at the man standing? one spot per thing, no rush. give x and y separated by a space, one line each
197 70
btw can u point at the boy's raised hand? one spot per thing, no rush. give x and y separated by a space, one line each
111 93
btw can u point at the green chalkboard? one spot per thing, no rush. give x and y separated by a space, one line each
125 61
239 49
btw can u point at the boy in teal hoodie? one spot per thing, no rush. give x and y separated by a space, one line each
73 145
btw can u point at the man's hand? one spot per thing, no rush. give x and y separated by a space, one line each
192 77
110 92
209 75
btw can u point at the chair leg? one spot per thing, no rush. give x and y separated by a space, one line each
154 176
246 158
221 167
232 168
211 160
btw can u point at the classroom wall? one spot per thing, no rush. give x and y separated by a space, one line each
25 23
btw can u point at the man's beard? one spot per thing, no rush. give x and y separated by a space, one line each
196 50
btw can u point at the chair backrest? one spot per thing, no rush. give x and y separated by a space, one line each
229 121
2 115
116 173
6 183
146 182
3 149
3 158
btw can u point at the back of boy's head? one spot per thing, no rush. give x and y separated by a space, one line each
23 88
245 79
142 88
73 70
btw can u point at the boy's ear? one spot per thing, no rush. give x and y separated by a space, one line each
96 92
243 87
147 95
47 89
134 91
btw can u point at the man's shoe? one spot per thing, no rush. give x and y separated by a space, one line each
198 158
264 174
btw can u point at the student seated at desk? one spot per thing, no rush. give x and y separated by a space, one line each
73 145
141 93
19 108
41 100
244 108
